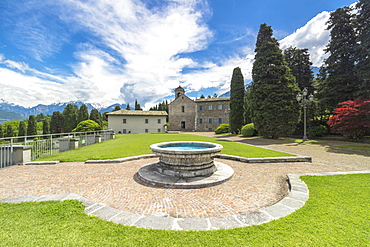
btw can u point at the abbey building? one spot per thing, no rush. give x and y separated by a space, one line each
204 114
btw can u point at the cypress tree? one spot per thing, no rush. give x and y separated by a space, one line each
9 131
236 117
46 126
56 123
137 106
95 115
362 24
341 83
32 126
83 113
70 117
273 107
22 129
128 107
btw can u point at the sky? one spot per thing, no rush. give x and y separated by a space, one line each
116 51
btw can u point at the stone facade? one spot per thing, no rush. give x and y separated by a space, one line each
126 121
211 113
206 114
181 112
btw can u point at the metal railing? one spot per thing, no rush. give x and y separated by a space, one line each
49 144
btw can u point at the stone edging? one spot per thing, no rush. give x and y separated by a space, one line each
297 158
297 197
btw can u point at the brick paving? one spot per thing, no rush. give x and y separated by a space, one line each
253 186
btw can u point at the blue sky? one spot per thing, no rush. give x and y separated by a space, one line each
116 51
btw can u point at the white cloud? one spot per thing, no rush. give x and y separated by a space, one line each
146 44
312 36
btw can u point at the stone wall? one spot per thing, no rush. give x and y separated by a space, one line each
182 114
210 113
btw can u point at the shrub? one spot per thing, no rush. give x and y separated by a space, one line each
248 130
87 125
319 130
223 128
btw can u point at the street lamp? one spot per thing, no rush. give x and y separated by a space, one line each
302 100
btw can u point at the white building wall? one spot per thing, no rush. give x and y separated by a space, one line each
136 124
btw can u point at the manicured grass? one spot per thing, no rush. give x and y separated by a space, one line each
336 214
355 147
138 144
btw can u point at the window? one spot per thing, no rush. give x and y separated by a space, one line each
210 107
159 120
210 120
200 108
146 120
182 124
124 131
220 107
220 120
146 130
200 120
124 120
182 108
159 130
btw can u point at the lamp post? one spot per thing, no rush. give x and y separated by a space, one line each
302 100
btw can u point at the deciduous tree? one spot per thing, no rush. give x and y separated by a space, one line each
352 118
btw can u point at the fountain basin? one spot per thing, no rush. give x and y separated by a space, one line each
185 165
186 158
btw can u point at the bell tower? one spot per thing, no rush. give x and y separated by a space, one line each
179 91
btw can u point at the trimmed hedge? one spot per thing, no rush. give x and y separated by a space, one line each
248 130
223 128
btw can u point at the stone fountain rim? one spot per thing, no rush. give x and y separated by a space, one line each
216 148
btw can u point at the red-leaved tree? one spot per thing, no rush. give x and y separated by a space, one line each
352 119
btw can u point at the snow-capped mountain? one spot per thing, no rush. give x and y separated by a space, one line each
49 109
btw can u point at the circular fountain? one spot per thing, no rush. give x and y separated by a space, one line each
185 164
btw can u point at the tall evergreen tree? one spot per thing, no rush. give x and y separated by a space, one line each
95 115
32 126
137 106
298 61
236 116
341 83
9 131
274 109
70 117
83 113
1 131
362 68
56 122
46 126
22 129
128 107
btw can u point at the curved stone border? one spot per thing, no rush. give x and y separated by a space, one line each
296 198
148 175
298 158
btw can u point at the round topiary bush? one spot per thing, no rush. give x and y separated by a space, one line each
320 130
248 130
223 128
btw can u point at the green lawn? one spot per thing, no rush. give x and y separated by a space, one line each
336 214
138 144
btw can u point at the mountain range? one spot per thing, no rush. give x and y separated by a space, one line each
6 109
